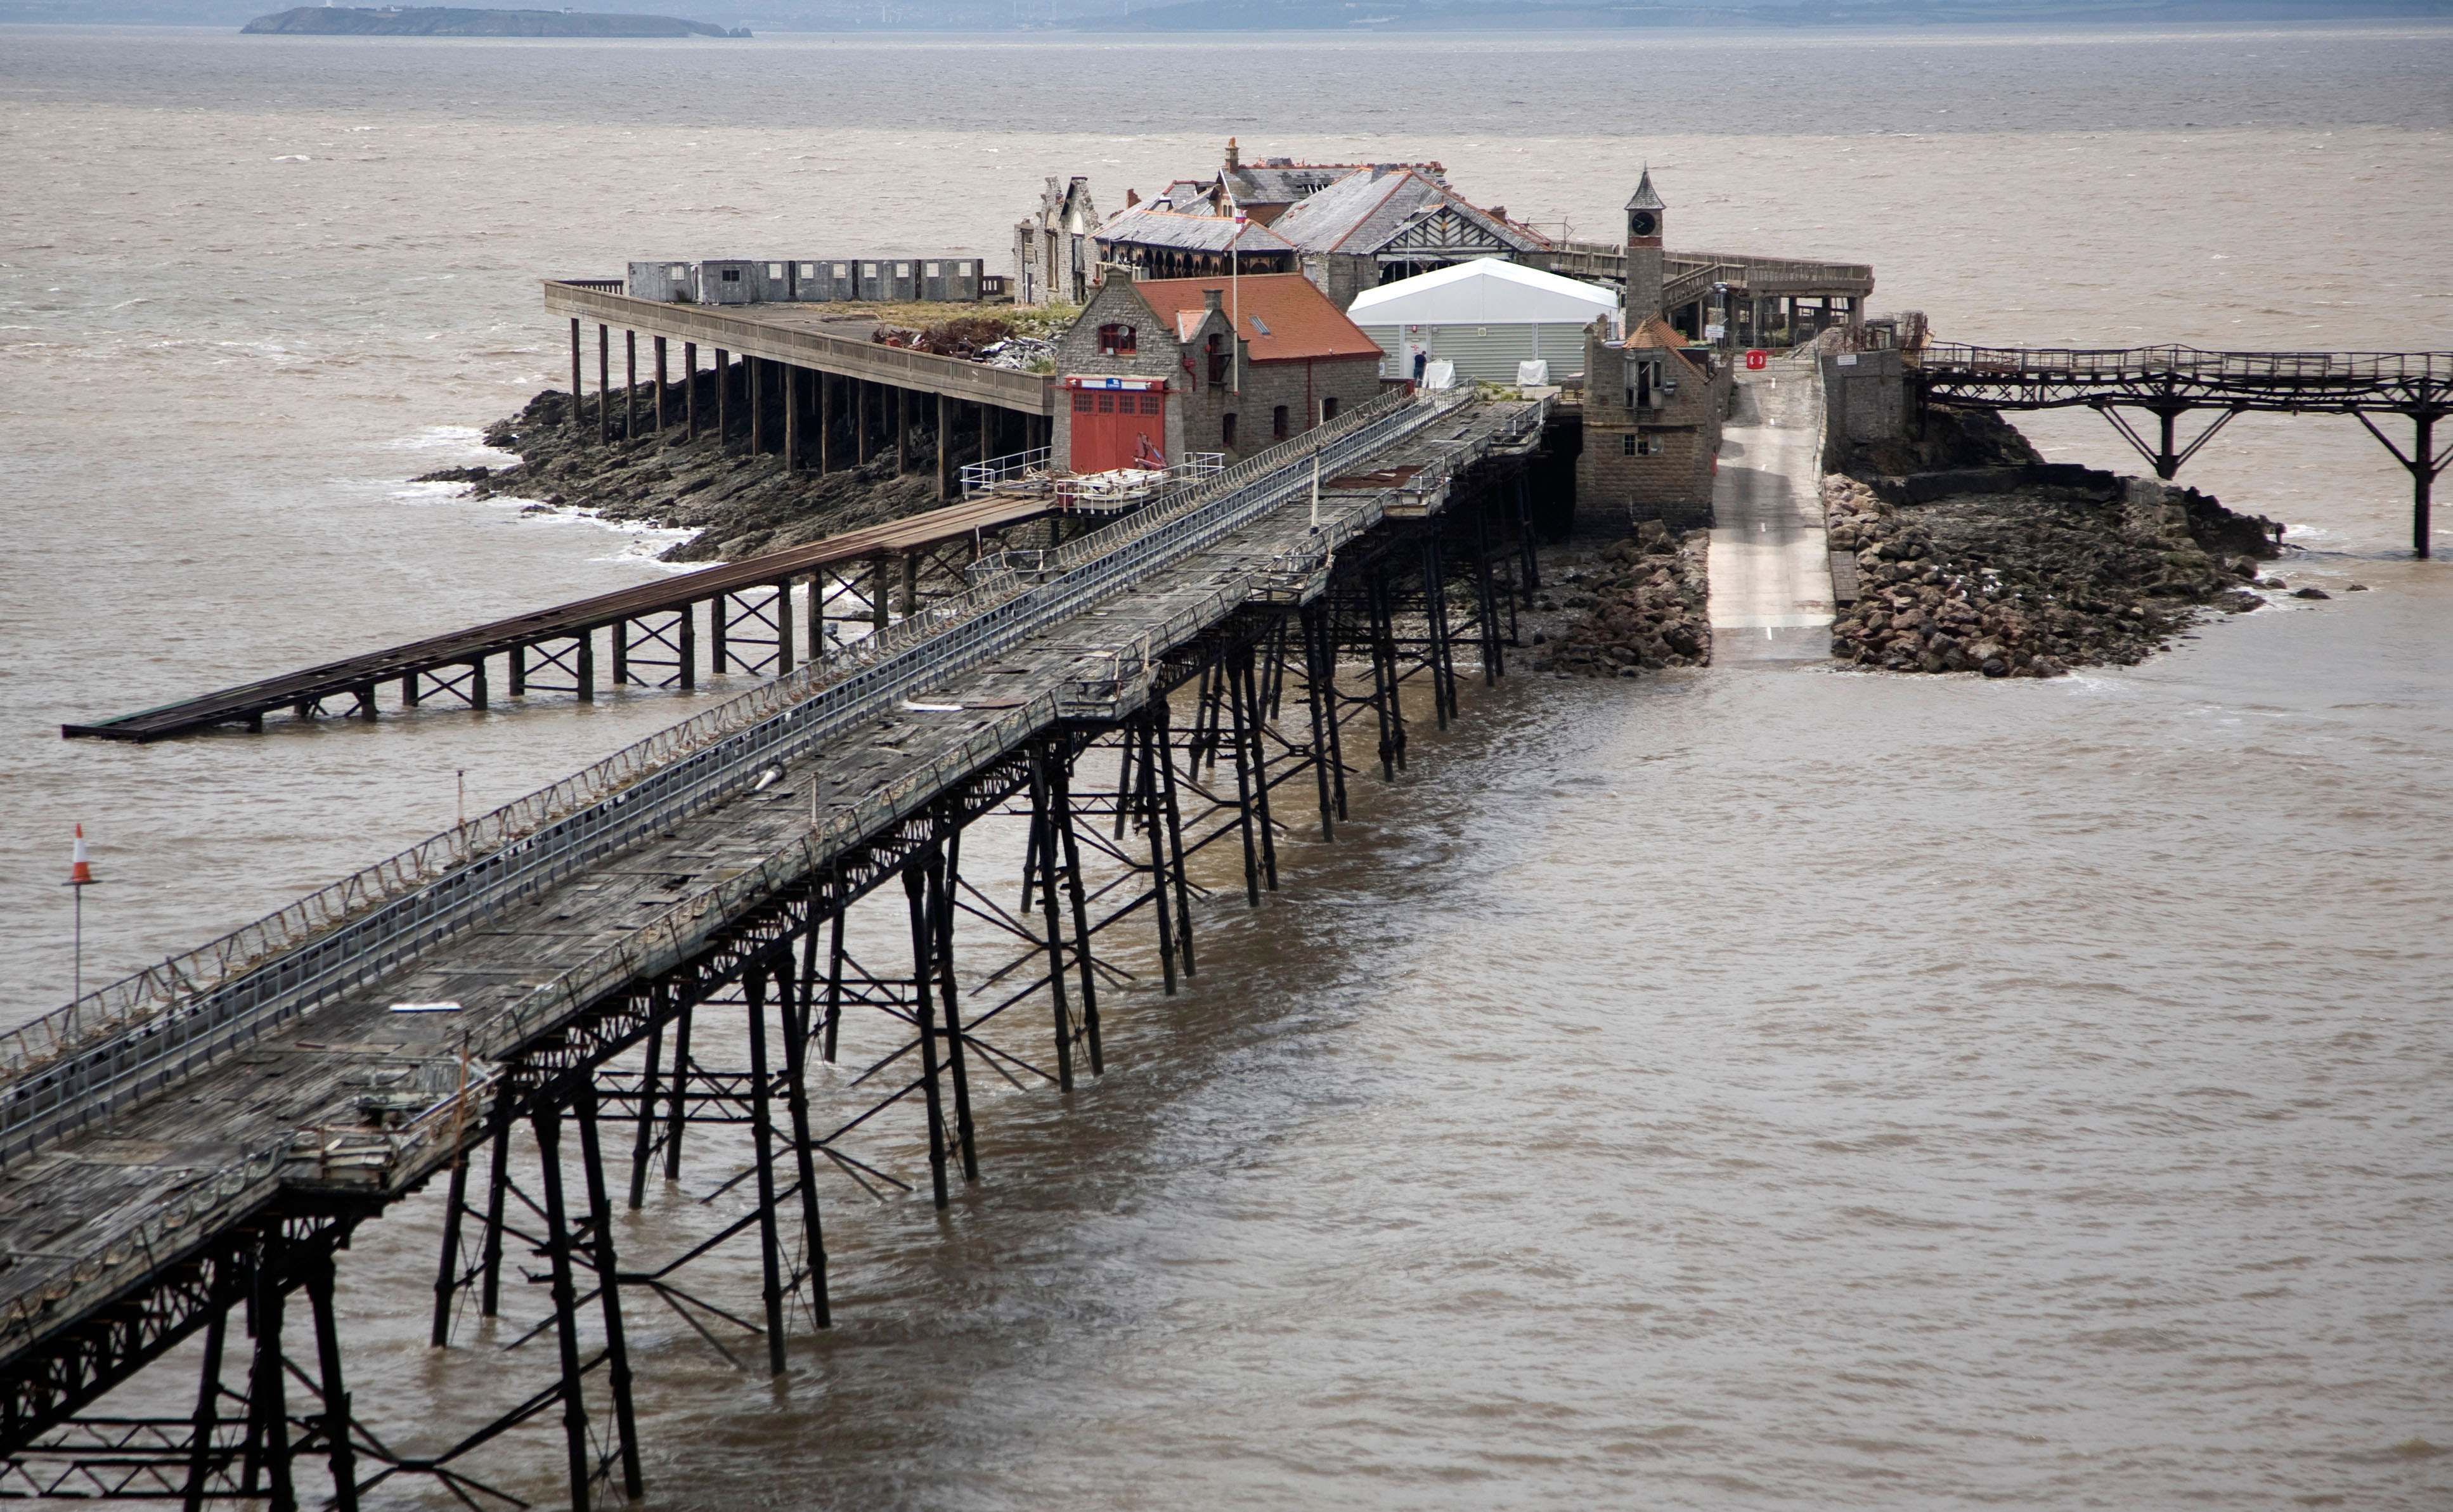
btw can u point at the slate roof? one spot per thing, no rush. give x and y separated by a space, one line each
1645 199
1366 210
1285 316
1141 226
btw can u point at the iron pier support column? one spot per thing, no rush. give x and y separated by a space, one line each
267 1383
782 613
498 1181
546 1121
722 399
945 448
750 369
1061 792
677 1109
761 1127
689 390
209 1393
608 1289
630 385
583 665
944 863
1144 732
604 386
660 388
1163 733
1041 861
826 387
792 418
338 1451
1252 715
923 1020
2422 463
687 653
643 1141
860 425
903 419
1319 692
578 393
796 1082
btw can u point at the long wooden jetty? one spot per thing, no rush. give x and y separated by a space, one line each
2169 382
543 1011
652 633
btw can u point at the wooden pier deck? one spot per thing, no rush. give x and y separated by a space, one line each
129 1232
561 636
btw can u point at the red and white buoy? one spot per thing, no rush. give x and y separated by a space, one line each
80 870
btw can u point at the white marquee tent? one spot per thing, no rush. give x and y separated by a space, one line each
1487 316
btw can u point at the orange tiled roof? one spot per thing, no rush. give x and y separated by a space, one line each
1285 316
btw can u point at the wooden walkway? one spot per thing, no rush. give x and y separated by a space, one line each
557 642
122 1236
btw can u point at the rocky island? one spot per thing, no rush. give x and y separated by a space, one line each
438 21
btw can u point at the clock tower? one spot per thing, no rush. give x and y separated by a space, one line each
1645 214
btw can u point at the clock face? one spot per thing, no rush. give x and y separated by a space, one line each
1643 222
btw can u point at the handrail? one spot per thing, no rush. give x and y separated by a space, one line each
185 1217
151 1028
2147 362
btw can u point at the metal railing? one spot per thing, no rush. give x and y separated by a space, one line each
1106 685
2116 363
978 475
147 1031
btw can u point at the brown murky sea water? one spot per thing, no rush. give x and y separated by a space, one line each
1732 1091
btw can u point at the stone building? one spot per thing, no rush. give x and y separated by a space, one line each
1053 253
1266 189
1652 424
1157 369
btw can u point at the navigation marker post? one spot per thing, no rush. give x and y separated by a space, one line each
80 878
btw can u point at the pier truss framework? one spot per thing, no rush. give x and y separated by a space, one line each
2166 383
829 1043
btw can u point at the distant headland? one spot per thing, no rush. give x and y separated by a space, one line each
438 21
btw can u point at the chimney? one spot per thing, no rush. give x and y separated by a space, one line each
1234 158
1499 212
1213 300
1131 199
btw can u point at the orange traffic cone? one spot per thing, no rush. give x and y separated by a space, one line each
80 872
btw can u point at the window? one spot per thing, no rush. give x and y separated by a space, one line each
808 270
775 270
1635 445
843 270
1151 405
903 270
932 270
1217 355
1107 404
1081 404
868 270
681 269
1226 431
1329 410
733 275
1278 422
1116 341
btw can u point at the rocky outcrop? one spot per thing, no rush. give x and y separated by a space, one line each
1639 608
740 505
2032 578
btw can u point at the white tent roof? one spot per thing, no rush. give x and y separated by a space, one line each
1483 292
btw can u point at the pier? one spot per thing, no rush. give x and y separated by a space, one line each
2166 383
840 395
546 1010
735 617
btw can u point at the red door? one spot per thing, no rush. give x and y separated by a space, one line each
1118 427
